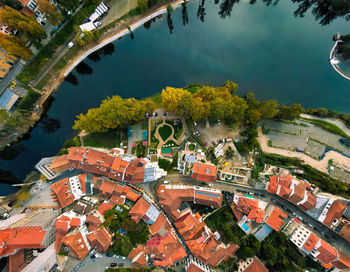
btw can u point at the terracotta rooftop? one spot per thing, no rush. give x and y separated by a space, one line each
99 158
327 253
76 244
12 239
275 219
60 163
133 195
194 268
311 242
310 203
117 199
139 210
137 256
101 239
62 192
256 266
161 223
27 11
345 232
107 187
24 2
171 197
105 206
335 211
343 261
203 172
76 153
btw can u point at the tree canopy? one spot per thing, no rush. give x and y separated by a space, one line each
207 102
50 11
15 46
112 113
25 24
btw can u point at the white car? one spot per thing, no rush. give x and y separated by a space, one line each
70 45
166 182
211 184
123 258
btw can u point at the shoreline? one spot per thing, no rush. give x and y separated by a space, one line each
111 35
331 55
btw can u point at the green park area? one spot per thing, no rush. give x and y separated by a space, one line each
127 234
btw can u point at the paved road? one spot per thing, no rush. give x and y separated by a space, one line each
99 265
321 230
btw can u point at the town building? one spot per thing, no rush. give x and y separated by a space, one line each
7 61
251 265
30 8
24 236
298 192
172 196
203 172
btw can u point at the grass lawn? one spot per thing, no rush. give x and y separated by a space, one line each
106 140
165 132
3 115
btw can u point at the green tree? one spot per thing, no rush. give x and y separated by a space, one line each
67 6
229 153
15 46
172 97
88 37
143 5
25 24
199 109
289 112
268 109
230 86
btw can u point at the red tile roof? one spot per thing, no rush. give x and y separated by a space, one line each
60 164
161 223
62 192
24 2
106 188
118 169
194 268
139 210
117 199
343 261
327 253
256 266
101 239
137 256
250 208
75 222
275 219
311 242
76 244
105 206
133 195
171 197
310 202
335 211
203 172
298 194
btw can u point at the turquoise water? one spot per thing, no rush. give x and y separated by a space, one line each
266 50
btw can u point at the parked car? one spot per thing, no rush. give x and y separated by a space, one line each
120 265
256 194
211 184
123 258
113 264
166 181
109 255
116 256
76 267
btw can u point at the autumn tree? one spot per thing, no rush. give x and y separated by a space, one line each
50 11
25 24
173 97
113 112
15 46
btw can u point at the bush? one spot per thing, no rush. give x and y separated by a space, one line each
27 103
164 164
191 147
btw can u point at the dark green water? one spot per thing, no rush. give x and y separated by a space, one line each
264 49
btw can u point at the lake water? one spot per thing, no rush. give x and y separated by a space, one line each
264 49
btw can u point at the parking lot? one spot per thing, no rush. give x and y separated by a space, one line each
95 265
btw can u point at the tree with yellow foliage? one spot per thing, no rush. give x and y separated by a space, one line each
50 11
15 46
25 24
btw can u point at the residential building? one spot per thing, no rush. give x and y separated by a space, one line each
77 242
298 192
67 190
251 265
8 99
172 196
30 8
7 61
203 172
